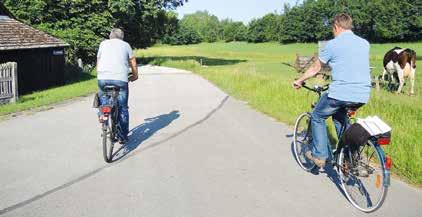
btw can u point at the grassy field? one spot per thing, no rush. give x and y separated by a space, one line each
255 73
86 85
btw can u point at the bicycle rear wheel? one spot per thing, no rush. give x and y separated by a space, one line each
108 140
362 181
303 140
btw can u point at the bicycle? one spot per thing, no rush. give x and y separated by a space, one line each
360 168
109 121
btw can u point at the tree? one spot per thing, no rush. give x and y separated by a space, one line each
265 29
234 31
207 25
84 23
256 31
376 20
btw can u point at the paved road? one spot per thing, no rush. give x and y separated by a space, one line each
194 151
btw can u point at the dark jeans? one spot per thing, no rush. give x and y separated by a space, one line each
325 108
123 103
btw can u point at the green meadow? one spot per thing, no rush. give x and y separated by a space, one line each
85 85
255 73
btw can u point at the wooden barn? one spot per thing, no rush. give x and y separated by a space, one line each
39 56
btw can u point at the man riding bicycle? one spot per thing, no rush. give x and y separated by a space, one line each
113 60
348 56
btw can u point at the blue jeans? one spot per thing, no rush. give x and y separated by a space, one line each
325 108
123 103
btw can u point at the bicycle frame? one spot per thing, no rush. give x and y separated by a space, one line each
334 154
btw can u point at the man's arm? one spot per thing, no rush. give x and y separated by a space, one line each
134 67
311 72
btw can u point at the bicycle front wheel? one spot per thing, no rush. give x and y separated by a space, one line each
303 140
362 174
108 141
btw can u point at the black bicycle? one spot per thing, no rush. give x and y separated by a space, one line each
110 121
364 170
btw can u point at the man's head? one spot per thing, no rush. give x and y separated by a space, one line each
342 22
117 33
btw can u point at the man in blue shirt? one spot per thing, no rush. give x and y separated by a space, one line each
348 56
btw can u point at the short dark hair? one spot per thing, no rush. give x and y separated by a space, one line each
343 20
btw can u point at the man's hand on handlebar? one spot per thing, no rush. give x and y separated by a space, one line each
297 84
133 78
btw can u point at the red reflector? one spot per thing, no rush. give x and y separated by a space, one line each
384 140
388 162
106 109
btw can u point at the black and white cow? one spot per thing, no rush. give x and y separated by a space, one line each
400 64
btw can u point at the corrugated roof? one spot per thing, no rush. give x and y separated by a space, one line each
15 35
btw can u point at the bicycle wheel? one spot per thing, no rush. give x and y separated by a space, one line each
108 140
362 180
303 140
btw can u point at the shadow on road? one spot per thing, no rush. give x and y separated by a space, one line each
329 170
142 132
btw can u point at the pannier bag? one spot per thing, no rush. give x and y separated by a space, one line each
355 136
359 133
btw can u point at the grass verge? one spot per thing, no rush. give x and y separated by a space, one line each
86 85
255 73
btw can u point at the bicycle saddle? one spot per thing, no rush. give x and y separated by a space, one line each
354 107
108 88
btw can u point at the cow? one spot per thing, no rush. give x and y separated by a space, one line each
400 64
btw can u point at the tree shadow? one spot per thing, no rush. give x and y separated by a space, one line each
206 61
144 131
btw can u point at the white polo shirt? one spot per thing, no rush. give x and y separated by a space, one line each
113 60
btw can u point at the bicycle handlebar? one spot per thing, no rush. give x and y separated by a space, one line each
316 88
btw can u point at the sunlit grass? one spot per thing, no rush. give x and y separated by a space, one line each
51 96
260 78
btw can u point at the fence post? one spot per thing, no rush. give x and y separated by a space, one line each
14 74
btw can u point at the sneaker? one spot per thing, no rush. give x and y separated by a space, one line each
320 163
122 141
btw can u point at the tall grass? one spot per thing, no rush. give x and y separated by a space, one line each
256 74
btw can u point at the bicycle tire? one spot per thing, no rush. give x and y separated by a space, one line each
107 140
349 180
302 138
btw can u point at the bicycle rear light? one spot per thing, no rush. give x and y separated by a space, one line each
105 109
384 140
351 113
388 162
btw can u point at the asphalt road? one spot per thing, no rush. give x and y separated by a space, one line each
193 151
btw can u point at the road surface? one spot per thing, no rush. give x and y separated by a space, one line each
193 151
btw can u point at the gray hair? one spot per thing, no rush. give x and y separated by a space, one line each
117 33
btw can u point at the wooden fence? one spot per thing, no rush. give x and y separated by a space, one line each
8 82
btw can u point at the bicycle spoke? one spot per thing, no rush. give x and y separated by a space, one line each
362 181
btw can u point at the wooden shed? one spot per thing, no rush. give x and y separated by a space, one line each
39 56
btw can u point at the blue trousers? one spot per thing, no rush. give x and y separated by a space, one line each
123 103
325 108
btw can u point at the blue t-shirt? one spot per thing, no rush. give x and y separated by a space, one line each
348 56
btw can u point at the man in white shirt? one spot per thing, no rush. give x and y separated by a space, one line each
113 60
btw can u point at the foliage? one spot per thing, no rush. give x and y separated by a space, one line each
206 25
265 29
183 35
311 21
377 20
84 23
234 31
